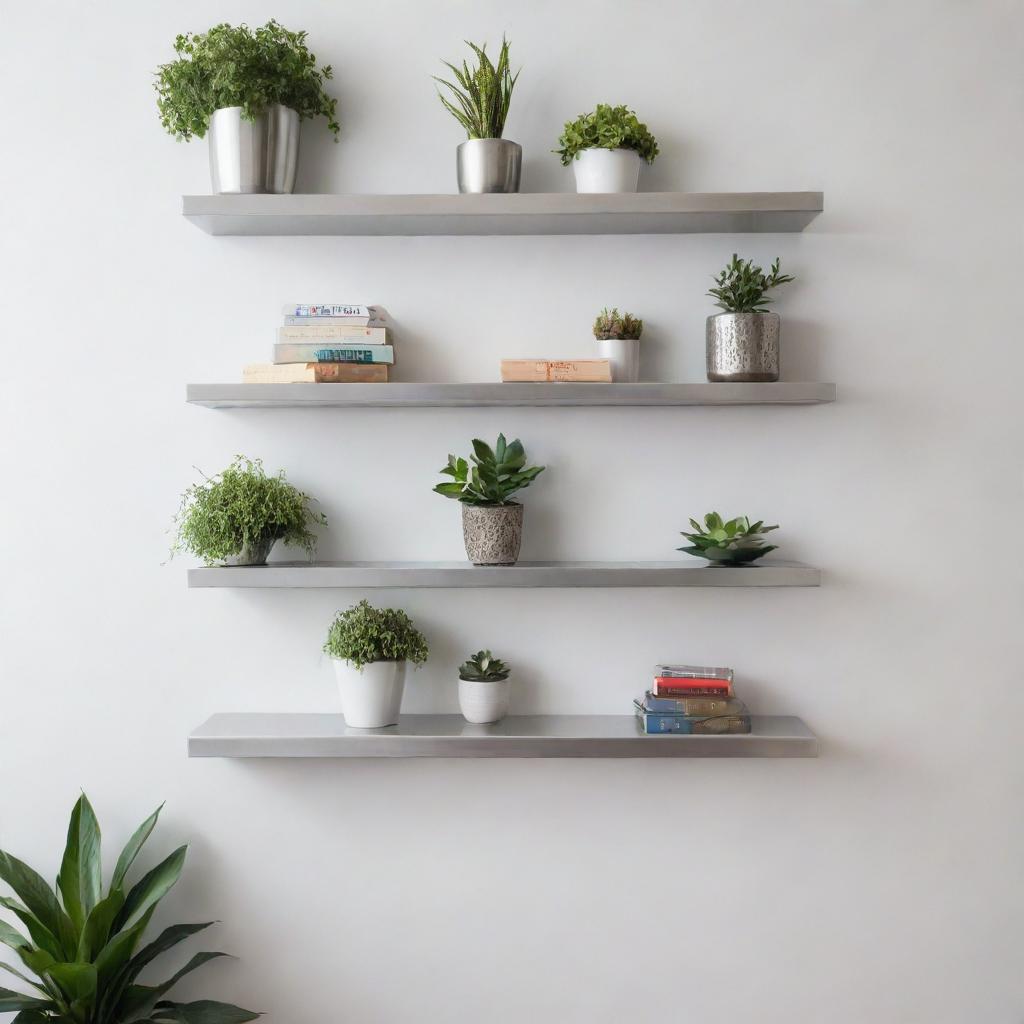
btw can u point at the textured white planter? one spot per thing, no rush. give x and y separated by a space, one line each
607 170
624 354
483 702
371 697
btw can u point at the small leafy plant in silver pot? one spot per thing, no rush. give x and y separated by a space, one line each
733 542
618 341
484 688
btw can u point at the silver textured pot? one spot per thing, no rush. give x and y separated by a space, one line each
743 347
489 165
492 533
248 157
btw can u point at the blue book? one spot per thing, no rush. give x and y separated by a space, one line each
702 706
694 725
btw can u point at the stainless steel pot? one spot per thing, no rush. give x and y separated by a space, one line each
489 165
249 157
743 347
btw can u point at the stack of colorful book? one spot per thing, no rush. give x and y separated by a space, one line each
692 699
328 344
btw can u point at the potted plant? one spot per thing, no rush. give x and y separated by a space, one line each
492 523
743 342
237 516
605 148
618 340
736 542
250 89
483 688
82 945
485 162
370 648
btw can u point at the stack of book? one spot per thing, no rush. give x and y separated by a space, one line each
692 699
328 344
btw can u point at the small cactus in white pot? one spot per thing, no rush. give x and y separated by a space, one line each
484 688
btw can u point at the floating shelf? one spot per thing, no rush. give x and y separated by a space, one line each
522 213
363 575
307 735
352 396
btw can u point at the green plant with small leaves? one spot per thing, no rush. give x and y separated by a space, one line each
235 66
82 947
491 476
483 667
610 324
480 100
243 510
365 634
607 127
743 287
735 542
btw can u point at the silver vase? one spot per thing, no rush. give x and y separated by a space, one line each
489 165
743 347
492 533
252 157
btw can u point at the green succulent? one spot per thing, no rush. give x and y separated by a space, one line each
483 667
743 287
495 475
483 93
607 127
82 945
728 543
364 634
609 324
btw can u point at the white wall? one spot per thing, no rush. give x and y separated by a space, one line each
881 882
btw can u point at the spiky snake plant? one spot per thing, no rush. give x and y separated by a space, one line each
735 542
483 94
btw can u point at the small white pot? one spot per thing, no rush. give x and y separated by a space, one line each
482 702
624 354
371 697
607 170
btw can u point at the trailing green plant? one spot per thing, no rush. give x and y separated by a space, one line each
242 508
494 476
364 634
609 324
742 287
483 667
733 542
607 127
235 66
82 948
480 100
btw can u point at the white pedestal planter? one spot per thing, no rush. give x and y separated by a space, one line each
371 697
624 354
607 170
482 702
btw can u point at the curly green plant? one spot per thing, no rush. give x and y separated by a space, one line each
82 948
242 510
728 543
609 324
483 667
480 100
494 476
607 127
742 287
231 66
364 634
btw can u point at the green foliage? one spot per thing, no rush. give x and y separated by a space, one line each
607 127
241 509
483 667
483 93
728 543
363 634
240 67
742 287
82 948
609 324
496 474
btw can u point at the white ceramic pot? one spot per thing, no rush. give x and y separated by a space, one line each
624 354
607 170
371 697
483 702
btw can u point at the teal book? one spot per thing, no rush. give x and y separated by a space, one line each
653 723
318 352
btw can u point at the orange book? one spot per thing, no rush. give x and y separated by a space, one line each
671 686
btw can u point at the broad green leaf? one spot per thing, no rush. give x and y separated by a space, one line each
79 880
11 1001
141 999
131 850
96 932
482 450
118 951
151 888
40 904
205 1011
166 940
22 977
449 490
499 449
76 981
32 1017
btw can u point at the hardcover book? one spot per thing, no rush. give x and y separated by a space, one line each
315 373
344 335
691 688
693 672
595 371
693 726
335 309
337 321
703 706
318 352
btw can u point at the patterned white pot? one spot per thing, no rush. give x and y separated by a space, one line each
371 697
483 702
492 533
607 170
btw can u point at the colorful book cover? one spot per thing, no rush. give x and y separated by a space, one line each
669 687
308 310
704 706
318 352
653 724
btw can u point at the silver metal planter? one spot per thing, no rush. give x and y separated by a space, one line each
258 156
489 165
743 347
492 533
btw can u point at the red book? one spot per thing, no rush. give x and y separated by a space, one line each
671 686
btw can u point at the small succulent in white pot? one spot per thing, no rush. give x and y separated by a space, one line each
618 340
605 148
484 688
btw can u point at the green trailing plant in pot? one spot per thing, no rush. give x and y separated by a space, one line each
492 523
238 516
82 947
370 648
605 148
743 341
484 688
728 542
618 340
479 100
250 89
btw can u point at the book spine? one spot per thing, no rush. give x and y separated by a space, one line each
719 726
313 310
322 332
692 672
315 373
594 371
299 352
706 706
678 683
335 321
719 689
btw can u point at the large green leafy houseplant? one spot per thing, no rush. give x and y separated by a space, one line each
494 476
480 100
82 945
231 66
607 127
364 634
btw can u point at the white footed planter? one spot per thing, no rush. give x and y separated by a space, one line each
624 354
483 702
371 697
607 170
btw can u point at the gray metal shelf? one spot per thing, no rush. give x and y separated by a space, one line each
319 735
